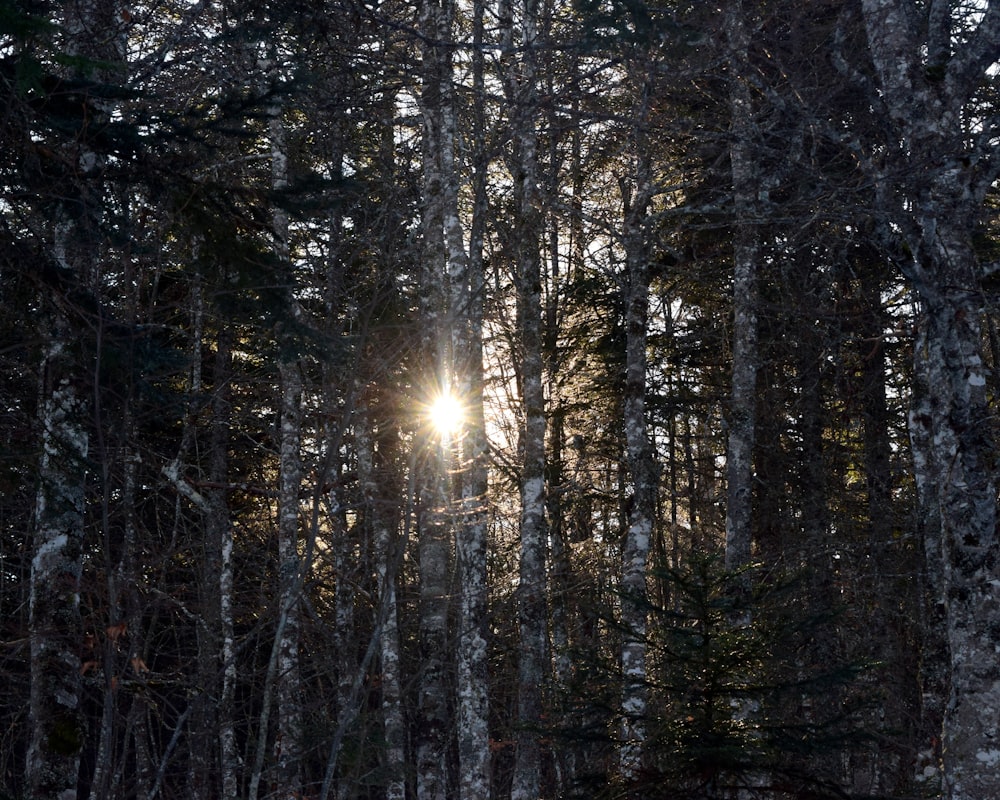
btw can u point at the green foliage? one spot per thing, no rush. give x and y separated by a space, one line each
609 25
735 695
20 21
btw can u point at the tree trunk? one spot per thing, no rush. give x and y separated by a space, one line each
639 451
58 732
467 285
288 745
220 534
743 392
434 543
932 189
531 588
745 356
958 430
288 742
383 516
55 625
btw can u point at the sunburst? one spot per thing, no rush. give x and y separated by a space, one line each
446 414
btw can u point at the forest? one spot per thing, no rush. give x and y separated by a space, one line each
508 400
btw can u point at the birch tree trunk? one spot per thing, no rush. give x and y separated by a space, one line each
434 557
220 534
458 355
932 187
54 606
745 357
434 536
532 585
743 388
288 744
466 290
55 626
641 464
282 684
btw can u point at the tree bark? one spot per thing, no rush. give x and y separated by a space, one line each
532 584
641 463
220 534
55 625
932 187
383 514
434 544
288 745
743 391
466 296
58 732
288 742
746 184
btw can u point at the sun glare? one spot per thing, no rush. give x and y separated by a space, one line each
446 414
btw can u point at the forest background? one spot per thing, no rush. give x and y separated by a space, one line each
709 294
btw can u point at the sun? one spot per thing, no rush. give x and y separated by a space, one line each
446 414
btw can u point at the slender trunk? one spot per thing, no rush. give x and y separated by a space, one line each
220 533
639 452
466 313
434 557
282 683
288 745
743 392
288 741
383 515
745 357
200 739
531 589
345 632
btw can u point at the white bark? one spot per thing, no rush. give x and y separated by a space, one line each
453 303
742 404
220 534
434 546
57 734
932 188
283 684
55 626
639 451
287 747
288 743
434 555
532 583
465 311
746 182
345 626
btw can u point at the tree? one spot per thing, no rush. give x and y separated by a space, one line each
77 247
642 467
520 55
929 74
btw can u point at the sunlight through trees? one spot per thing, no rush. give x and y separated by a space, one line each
499 401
